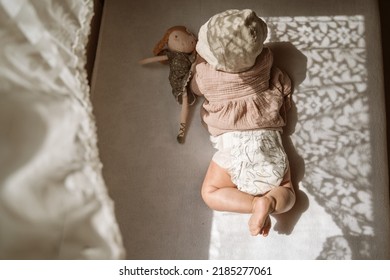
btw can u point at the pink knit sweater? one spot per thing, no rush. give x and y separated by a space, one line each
254 99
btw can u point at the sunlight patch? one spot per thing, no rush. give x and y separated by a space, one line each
331 134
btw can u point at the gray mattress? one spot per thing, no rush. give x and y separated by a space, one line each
335 138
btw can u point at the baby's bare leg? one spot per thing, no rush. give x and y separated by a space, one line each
278 200
220 193
283 196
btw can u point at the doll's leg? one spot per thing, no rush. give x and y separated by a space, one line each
183 119
220 193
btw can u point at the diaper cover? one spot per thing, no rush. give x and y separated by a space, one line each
255 159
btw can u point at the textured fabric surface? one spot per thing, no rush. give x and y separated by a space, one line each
231 41
334 137
255 159
252 99
180 74
53 199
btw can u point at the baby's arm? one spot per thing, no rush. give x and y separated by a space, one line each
194 85
153 59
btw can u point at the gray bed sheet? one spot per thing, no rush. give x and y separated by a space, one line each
335 138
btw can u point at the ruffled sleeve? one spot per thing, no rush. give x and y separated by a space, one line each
281 83
197 77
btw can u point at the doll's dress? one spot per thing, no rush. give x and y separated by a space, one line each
180 74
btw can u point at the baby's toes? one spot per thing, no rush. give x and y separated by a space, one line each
266 228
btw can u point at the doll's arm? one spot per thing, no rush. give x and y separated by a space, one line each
153 59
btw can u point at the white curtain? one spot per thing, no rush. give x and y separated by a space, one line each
53 200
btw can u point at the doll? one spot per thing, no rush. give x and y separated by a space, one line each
177 47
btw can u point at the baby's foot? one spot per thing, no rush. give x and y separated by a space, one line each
260 222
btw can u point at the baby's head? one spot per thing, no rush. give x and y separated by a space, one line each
231 41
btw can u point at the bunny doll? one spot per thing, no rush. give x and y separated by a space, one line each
177 47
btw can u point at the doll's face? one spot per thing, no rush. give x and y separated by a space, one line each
180 41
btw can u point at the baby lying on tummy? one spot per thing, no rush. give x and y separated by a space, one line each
246 99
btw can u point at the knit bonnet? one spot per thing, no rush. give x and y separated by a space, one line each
231 41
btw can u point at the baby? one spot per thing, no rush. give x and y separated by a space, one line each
246 99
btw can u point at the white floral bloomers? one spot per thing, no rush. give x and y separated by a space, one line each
255 159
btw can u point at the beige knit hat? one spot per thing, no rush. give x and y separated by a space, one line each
230 41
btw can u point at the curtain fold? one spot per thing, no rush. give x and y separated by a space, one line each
54 203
